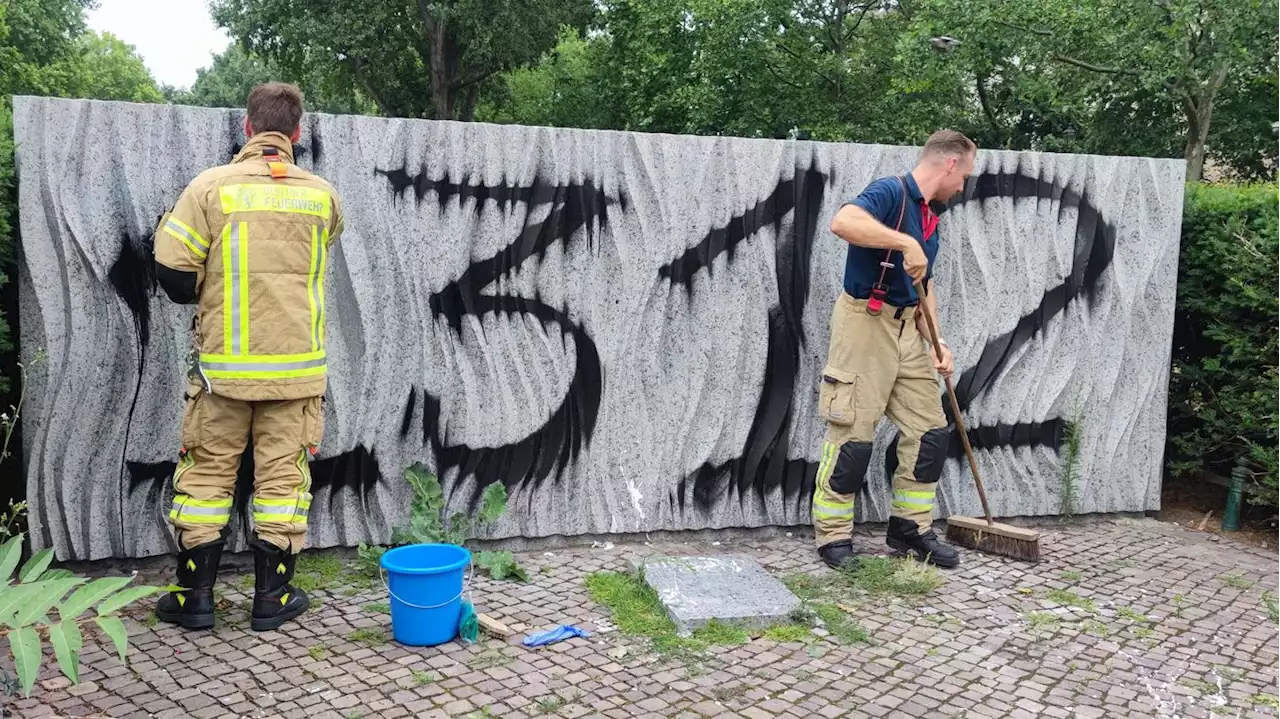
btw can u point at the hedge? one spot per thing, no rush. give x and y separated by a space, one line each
1223 384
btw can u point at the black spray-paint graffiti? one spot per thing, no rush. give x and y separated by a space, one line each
558 442
763 463
582 210
759 466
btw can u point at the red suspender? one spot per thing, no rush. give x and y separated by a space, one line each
879 290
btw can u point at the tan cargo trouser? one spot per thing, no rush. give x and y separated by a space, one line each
877 365
215 432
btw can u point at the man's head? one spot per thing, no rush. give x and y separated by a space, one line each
945 163
274 107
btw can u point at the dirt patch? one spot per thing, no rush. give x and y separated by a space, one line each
1188 506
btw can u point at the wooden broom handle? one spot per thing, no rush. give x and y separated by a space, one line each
955 407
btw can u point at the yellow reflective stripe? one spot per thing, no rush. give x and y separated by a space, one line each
306 364
914 500
208 503
324 257
915 494
200 511
301 502
235 288
275 198
312 296
190 518
823 507
201 252
260 359
305 469
259 518
228 289
824 469
243 276
176 225
265 373
185 462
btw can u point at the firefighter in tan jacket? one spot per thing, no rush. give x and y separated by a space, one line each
247 243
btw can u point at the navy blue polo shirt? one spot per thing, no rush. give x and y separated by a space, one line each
883 199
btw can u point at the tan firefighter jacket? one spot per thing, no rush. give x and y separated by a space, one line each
256 234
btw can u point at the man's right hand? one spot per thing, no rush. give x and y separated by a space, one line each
914 260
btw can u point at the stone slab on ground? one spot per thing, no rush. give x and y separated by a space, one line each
734 590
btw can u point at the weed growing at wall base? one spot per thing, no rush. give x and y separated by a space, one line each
428 525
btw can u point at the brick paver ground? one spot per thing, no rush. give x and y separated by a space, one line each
1178 627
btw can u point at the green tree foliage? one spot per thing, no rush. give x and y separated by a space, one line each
413 59
46 50
560 91
105 68
36 36
1222 391
1170 78
236 71
1131 76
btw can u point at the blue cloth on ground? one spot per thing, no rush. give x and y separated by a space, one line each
550 636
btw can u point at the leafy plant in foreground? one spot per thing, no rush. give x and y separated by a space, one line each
25 606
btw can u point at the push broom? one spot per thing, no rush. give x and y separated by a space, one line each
989 537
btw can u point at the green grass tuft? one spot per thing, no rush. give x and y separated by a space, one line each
316 571
1273 608
1042 620
1235 580
371 637
717 633
634 605
788 633
1265 700
1070 599
893 576
843 627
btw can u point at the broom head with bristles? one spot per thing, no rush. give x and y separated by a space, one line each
1004 540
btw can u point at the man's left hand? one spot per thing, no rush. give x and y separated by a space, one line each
945 364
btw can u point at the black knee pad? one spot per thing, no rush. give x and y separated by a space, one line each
851 467
933 455
891 458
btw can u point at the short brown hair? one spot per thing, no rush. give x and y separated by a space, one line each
947 143
275 107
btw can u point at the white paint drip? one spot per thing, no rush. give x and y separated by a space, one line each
636 498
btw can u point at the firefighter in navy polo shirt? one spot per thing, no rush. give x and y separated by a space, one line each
880 361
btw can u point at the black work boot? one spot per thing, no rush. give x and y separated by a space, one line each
275 601
837 553
904 535
192 607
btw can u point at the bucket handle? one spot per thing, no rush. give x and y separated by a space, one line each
466 589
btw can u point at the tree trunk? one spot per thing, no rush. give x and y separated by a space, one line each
441 90
1199 111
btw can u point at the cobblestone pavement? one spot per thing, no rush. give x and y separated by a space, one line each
1176 626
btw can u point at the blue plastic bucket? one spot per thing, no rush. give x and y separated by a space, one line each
426 583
